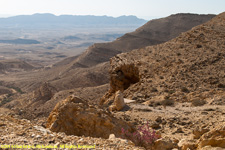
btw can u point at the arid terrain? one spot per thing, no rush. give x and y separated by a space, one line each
44 39
168 73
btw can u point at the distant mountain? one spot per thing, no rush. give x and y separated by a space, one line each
50 20
20 41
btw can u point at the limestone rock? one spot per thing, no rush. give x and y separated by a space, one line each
112 136
118 103
164 144
198 132
75 117
185 144
119 100
214 138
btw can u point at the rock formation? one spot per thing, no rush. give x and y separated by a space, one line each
213 138
75 117
118 103
44 93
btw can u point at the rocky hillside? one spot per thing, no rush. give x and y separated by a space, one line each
183 68
152 33
177 86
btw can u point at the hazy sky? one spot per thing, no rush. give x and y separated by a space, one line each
146 9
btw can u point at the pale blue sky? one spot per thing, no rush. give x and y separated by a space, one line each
146 9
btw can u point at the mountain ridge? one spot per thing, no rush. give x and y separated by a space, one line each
72 20
141 37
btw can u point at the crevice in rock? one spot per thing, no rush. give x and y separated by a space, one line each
123 77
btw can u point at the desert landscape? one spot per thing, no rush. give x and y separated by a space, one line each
157 85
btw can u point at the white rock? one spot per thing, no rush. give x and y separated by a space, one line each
112 136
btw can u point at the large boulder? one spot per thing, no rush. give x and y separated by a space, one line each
213 138
75 117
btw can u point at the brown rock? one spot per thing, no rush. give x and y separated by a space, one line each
198 132
185 144
118 103
211 148
164 144
75 117
45 92
119 100
214 138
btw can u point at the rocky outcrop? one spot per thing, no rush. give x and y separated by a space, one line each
213 138
123 73
75 117
118 103
44 93
164 144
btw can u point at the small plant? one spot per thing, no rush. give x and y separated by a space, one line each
143 136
